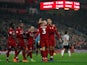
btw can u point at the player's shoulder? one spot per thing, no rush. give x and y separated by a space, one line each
66 35
54 25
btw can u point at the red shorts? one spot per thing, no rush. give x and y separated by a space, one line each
52 42
44 43
30 45
21 42
22 45
11 42
9 47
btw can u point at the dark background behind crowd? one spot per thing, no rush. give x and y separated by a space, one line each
28 11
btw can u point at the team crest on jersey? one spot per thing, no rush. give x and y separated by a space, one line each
51 27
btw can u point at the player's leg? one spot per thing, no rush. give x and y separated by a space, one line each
44 54
24 53
17 51
30 52
16 54
51 49
51 53
63 50
69 52
37 47
7 54
43 50
46 50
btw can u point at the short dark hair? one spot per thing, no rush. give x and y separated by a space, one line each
66 32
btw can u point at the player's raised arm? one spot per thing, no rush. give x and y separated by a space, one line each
40 20
56 32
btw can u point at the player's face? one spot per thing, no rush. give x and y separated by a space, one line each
44 22
19 27
22 24
10 28
32 28
49 21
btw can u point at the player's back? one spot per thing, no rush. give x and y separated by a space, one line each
44 32
65 39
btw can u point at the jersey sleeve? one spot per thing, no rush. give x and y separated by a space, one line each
56 32
37 32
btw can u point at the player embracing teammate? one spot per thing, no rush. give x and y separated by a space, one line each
31 40
47 31
44 34
52 31
16 40
20 42
11 43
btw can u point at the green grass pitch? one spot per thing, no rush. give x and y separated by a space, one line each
75 59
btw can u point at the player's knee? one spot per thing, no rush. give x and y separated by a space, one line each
43 48
30 49
51 48
47 48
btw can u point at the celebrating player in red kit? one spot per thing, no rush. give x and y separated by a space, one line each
44 33
31 40
52 32
20 40
11 42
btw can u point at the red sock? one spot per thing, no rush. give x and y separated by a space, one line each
51 52
16 53
23 53
42 53
8 53
30 54
46 53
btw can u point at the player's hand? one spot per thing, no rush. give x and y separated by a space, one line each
40 20
60 40
38 42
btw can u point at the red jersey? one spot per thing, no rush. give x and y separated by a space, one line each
11 40
53 31
19 34
11 33
44 32
31 36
